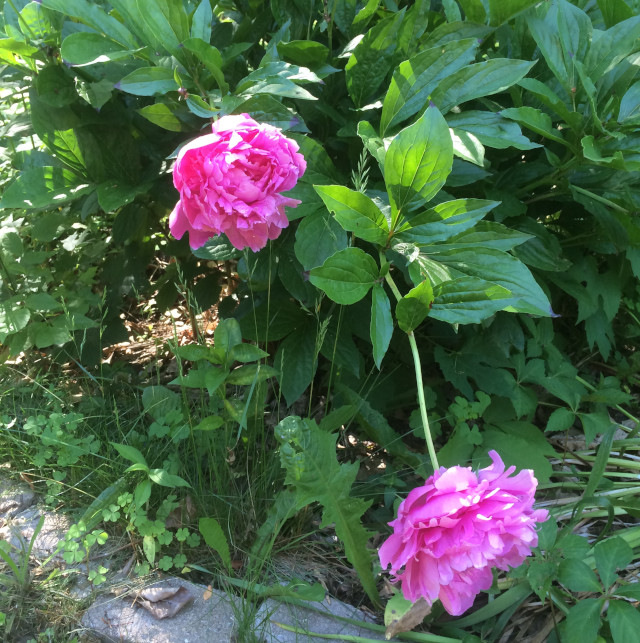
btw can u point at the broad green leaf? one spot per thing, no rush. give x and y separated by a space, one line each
12 51
501 11
467 147
624 621
13 318
467 300
157 401
583 621
45 335
112 195
443 221
55 86
535 120
42 301
492 130
226 336
376 146
381 327
500 268
414 80
217 249
94 16
414 307
474 10
577 576
560 420
129 453
148 81
86 48
549 98
213 535
166 479
632 590
210 423
249 374
318 237
268 109
630 105
611 555
303 52
487 234
372 58
296 362
142 493
346 276
247 353
43 187
481 79
211 58
162 115
355 212
418 162
309 457
201 21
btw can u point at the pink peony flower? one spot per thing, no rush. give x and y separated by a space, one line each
230 182
450 532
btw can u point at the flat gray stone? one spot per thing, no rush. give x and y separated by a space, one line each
319 622
14 498
119 620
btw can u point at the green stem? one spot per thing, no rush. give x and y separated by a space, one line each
418 368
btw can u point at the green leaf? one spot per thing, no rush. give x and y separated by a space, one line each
142 493
612 554
414 80
201 21
213 535
211 58
624 621
112 195
129 453
158 401
355 212
501 11
477 80
594 423
148 81
149 548
346 276
55 86
443 221
583 621
303 52
487 234
372 58
42 301
250 373
418 161
217 249
296 362
12 318
467 300
45 335
247 353
560 420
210 423
86 48
629 591
43 187
492 130
309 457
629 112
467 147
381 327
317 238
577 576
412 309
166 479
535 120
500 268
162 115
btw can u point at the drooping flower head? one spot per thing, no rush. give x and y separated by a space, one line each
453 530
231 182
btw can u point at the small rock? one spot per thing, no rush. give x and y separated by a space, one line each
318 622
14 498
118 619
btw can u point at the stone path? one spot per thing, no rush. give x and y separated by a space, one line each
211 615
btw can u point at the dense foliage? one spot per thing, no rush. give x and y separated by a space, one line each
476 163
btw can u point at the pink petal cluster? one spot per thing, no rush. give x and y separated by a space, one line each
230 182
452 531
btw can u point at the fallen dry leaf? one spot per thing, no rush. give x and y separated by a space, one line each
208 593
408 620
164 602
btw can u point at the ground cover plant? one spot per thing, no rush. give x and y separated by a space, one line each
353 250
